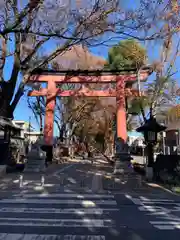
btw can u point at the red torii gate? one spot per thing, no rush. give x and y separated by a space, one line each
52 78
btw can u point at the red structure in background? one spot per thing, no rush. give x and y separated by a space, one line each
123 89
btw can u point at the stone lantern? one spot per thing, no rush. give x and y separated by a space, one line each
150 129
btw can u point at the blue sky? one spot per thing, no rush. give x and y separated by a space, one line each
22 111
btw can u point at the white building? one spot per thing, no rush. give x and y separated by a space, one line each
135 139
26 131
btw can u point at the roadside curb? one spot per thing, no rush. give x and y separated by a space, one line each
163 188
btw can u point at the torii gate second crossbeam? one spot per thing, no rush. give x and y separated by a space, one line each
53 78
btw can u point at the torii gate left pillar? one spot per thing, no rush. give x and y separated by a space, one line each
51 92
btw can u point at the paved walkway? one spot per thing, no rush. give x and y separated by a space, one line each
83 201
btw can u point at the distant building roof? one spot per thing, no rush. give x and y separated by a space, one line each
33 133
7 122
25 124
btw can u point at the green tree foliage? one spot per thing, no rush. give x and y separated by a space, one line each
160 93
126 54
132 55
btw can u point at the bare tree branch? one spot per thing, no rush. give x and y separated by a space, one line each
28 27
31 6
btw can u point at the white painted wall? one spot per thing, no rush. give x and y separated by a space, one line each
135 139
32 136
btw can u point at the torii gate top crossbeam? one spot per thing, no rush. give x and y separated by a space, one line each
87 76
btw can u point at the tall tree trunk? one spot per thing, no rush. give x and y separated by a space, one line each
5 100
5 110
40 115
41 123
